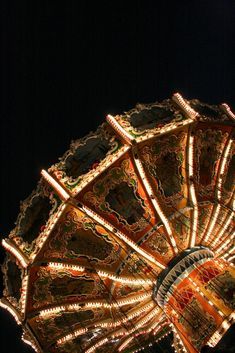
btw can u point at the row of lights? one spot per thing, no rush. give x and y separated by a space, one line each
227 110
117 127
156 341
96 304
155 327
125 343
184 105
192 192
98 344
71 336
164 130
231 258
225 245
144 332
24 293
224 228
222 167
160 325
212 222
124 332
151 328
132 314
155 204
63 266
140 323
232 249
55 185
147 317
11 310
14 251
121 279
30 343
163 336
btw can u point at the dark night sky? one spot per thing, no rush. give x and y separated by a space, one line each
65 65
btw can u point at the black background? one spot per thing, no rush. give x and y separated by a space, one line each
66 65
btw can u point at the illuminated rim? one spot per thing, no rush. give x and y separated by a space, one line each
178 268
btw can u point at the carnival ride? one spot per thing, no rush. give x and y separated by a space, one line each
130 236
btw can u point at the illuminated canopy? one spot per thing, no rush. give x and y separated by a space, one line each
130 236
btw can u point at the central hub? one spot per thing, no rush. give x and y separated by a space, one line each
179 268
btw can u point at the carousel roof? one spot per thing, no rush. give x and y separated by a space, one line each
102 224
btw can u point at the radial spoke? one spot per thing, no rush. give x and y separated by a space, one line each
119 129
223 229
225 245
149 258
185 106
217 207
72 335
156 311
24 294
96 304
154 201
110 323
62 193
129 315
121 279
192 193
125 343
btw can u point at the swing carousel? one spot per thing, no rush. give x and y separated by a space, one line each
128 241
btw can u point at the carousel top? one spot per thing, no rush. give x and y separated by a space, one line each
109 217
